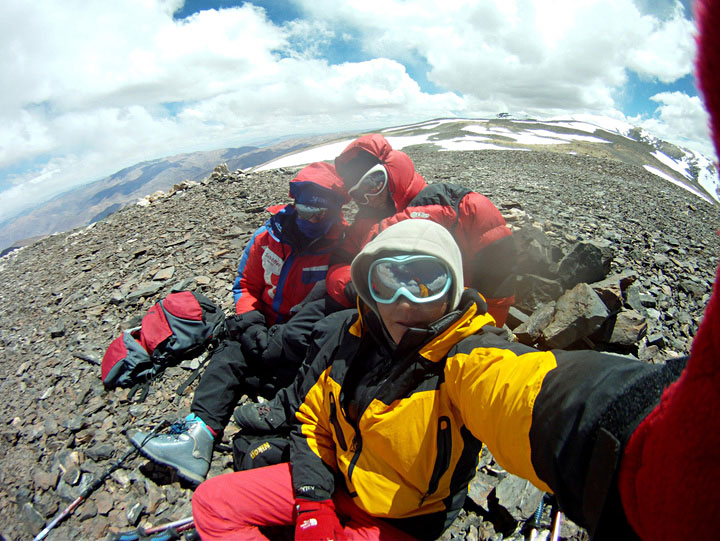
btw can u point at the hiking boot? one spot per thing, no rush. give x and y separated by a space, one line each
188 448
258 419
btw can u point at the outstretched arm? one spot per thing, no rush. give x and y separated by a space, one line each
671 466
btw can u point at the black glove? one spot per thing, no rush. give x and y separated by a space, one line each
237 325
351 293
254 341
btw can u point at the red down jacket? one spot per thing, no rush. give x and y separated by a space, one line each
478 227
281 269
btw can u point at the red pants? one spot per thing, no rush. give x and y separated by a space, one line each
234 505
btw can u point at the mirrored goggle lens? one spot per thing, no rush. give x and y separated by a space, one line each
309 213
372 183
418 278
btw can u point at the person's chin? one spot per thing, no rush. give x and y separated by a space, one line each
398 331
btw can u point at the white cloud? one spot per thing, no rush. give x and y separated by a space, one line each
78 53
91 87
532 55
667 50
681 119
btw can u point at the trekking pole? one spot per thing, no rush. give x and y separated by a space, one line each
535 520
83 495
556 526
141 533
94 485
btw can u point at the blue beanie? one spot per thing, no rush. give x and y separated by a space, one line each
309 193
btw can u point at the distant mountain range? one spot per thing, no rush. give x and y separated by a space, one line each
595 136
92 202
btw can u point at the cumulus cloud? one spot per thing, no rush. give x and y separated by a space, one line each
533 55
680 118
667 49
89 88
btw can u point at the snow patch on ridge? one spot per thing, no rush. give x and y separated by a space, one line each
694 167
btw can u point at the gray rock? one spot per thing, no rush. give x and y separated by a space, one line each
630 327
144 290
87 510
518 496
656 339
32 518
516 317
578 314
586 262
164 274
134 511
532 291
45 480
530 331
104 502
102 451
72 476
57 330
480 488
45 504
74 423
611 293
536 253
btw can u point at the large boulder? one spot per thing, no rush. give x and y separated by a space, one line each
585 262
578 314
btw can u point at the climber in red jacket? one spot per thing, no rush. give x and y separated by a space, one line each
384 183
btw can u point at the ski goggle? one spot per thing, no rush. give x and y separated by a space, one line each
311 214
371 184
419 278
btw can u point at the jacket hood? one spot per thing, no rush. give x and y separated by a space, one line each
415 236
318 184
403 181
282 225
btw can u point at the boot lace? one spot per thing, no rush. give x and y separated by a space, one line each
180 426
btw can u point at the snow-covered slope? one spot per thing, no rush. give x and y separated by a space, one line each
581 134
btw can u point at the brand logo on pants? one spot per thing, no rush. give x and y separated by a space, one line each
309 523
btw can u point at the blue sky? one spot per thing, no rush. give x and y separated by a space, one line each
92 87
635 98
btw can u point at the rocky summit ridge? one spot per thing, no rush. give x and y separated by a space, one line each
610 257
587 135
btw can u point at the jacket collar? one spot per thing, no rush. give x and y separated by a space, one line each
439 337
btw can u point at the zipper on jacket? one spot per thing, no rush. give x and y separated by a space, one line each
357 447
336 423
442 460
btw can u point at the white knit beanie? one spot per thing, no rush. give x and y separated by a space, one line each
412 236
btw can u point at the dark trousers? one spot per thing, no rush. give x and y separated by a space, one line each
230 373
225 379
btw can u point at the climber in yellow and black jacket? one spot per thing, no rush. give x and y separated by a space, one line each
404 423
393 411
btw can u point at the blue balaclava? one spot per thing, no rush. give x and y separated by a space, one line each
314 230
308 193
